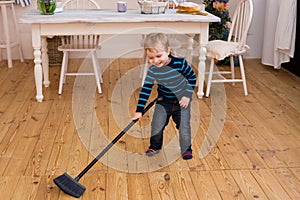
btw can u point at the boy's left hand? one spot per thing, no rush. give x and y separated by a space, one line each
137 116
184 102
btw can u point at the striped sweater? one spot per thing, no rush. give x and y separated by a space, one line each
175 80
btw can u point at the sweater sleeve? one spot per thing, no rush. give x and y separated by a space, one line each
146 91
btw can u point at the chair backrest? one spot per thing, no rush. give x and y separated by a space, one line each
241 21
80 4
81 40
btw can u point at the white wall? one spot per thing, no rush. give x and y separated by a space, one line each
255 37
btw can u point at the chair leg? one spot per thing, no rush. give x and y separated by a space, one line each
144 69
144 59
62 72
232 69
143 65
7 36
243 75
17 34
66 66
99 69
210 74
96 72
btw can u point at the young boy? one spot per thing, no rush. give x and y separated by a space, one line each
176 81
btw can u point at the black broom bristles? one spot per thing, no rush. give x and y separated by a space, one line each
69 185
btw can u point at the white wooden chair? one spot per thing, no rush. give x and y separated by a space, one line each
8 16
80 43
234 46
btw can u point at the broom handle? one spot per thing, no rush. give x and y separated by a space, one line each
113 142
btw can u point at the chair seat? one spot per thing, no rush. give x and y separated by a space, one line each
78 47
220 49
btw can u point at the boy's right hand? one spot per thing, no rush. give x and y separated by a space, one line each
137 115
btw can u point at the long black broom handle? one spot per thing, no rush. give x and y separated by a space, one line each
85 170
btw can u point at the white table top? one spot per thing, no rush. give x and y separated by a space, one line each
102 16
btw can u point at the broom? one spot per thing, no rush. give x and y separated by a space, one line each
71 186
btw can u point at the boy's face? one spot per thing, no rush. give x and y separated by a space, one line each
157 57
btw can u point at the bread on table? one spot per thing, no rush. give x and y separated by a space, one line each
190 8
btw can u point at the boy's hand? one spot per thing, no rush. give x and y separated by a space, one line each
137 115
184 102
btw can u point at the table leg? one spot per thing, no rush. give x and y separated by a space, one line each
203 40
38 74
38 71
201 70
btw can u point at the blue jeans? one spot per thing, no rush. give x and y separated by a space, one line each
164 109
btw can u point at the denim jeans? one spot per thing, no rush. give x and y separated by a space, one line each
164 109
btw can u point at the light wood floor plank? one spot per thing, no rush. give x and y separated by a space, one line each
283 87
183 186
117 187
227 187
204 185
95 184
139 186
288 181
161 188
62 145
270 185
8 185
248 184
27 188
296 172
41 154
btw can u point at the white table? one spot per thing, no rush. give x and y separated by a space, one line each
72 22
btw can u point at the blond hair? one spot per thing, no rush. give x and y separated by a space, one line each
156 42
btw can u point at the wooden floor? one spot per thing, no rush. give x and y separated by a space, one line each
244 147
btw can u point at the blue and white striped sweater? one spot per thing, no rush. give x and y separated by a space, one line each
175 80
